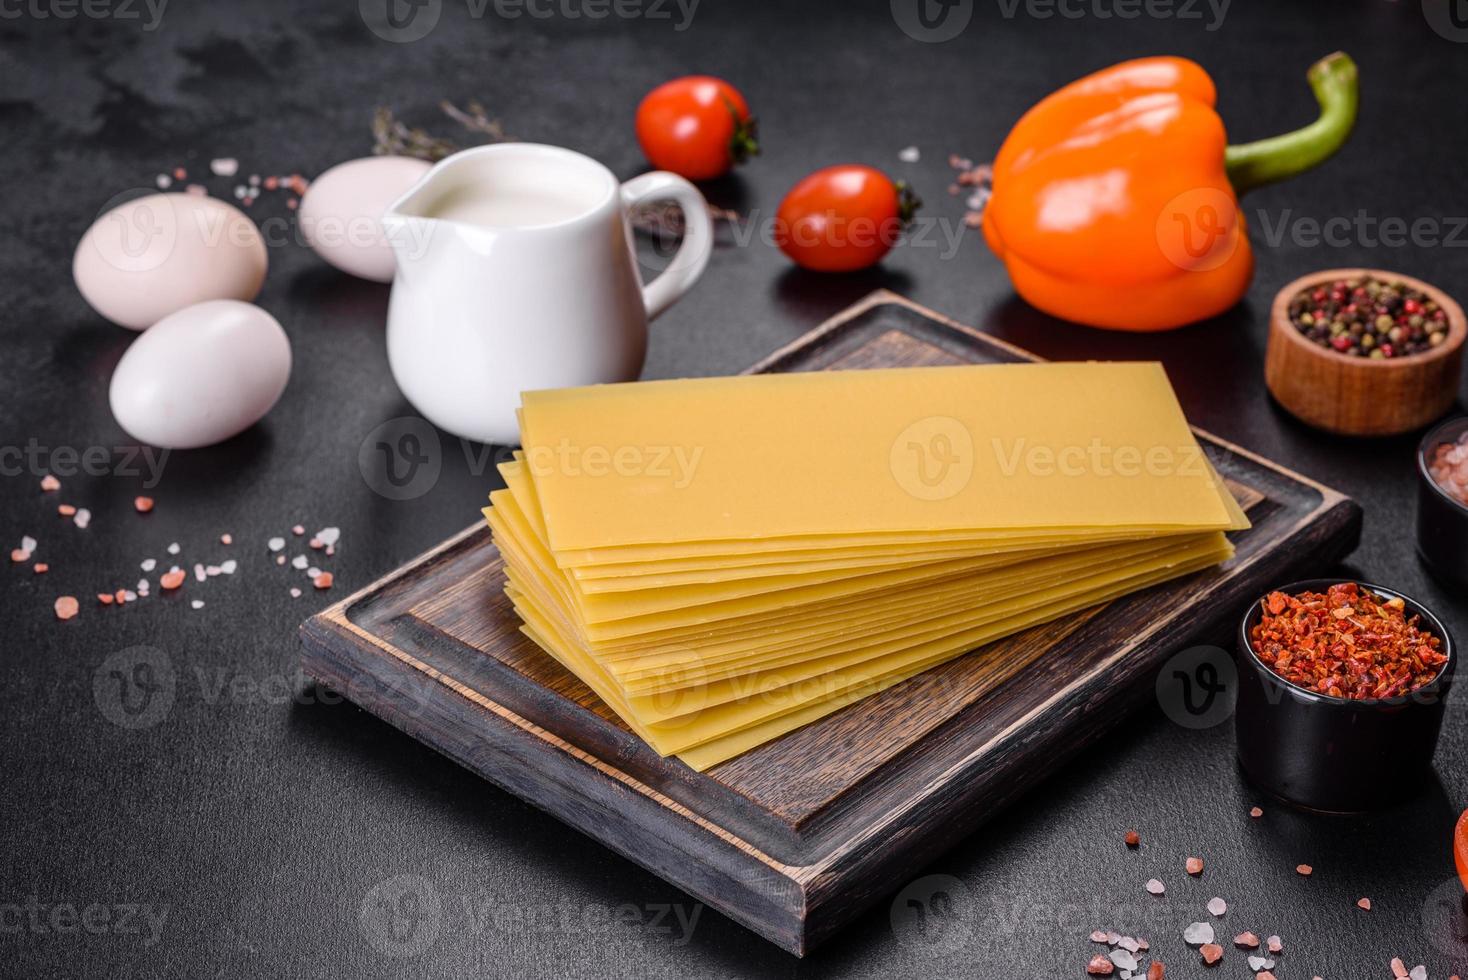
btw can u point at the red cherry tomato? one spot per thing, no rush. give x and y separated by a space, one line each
698 127
843 218
1460 847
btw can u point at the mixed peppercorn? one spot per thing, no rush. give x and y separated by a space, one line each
1368 317
1346 642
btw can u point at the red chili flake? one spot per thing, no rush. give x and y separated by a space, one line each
1247 940
1133 839
1212 953
66 607
1100 966
143 504
1304 869
1156 971
1195 866
50 483
1347 643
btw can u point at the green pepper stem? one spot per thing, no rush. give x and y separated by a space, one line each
1333 79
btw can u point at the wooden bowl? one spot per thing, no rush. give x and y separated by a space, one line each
1359 396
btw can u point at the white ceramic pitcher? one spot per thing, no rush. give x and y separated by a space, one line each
516 271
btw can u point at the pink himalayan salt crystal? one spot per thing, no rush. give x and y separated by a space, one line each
1448 464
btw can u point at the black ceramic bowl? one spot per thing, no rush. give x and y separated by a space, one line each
1442 522
1332 754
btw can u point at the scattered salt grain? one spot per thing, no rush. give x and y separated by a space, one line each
300 561
298 530
275 544
172 580
41 568
1133 839
313 572
174 549
295 593
323 581
329 535
1195 866
65 510
1304 870
1198 933
226 539
1100 966
1098 936
1156 887
1217 906
1257 963
27 543
199 572
1255 812
1418 973
66 607
910 154
1212 953
82 518
163 181
128 595
224 166
50 483
1246 940
1123 960
228 567
1399 969
280 559
1274 944
143 585
197 604
143 504
149 564
19 555
1364 904
211 570
1130 945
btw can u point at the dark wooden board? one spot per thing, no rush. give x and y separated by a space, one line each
796 837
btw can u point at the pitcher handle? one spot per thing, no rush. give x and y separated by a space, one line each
693 254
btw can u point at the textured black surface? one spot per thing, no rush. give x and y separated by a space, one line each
272 829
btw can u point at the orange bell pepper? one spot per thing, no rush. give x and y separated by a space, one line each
1115 199
1460 848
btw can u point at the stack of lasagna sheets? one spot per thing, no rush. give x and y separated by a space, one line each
724 560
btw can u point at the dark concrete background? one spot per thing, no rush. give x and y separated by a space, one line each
265 823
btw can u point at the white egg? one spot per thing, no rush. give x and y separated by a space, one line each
340 214
157 254
201 375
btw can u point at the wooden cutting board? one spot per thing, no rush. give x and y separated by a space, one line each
798 836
